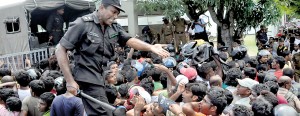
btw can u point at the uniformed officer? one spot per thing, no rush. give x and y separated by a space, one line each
92 37
261 37
180 37
55 25
166 32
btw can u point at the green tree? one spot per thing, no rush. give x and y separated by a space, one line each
232 17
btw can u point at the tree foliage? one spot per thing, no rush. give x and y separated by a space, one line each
233 17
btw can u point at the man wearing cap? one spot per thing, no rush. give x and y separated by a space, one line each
55 25
92 37
166 32
244 91
179 24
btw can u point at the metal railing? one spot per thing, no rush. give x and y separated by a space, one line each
16 61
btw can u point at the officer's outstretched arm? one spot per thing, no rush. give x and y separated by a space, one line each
143 46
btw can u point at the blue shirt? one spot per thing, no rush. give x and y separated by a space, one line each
199 28
63 106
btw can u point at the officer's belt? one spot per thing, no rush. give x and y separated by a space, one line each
179 32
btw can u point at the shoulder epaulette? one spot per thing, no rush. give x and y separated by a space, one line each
87 18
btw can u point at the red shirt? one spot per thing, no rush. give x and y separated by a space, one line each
278 74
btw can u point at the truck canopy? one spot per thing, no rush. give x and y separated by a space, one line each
40 10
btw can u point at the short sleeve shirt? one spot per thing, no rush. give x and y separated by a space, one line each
179 25
167 29
93 47
30 104
199 28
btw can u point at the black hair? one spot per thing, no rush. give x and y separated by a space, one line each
232 75
229 96
23 78
48 82
288 72
5 72
250 72
123 90
285 53
252 62
262 67
270 77
54 74
261 77
259 87
136 55
5 93
241 110
144 54
217 98
156 74
44 64
231 64
175 73
106 74
198 89
269 62
261 107
157 60
163 79
47 97
203 69
14 104
273 86
280 60
270 97
213 65
148 85
37 87
61 89
148 71
111 93
53 64
130 75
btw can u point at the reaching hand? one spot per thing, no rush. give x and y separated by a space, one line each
158 49
181 87
161 67
139 105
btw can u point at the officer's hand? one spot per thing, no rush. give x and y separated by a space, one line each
50 38
72 87
159 50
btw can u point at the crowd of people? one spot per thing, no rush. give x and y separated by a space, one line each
194 80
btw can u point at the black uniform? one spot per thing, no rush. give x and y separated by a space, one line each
54 27
93 48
